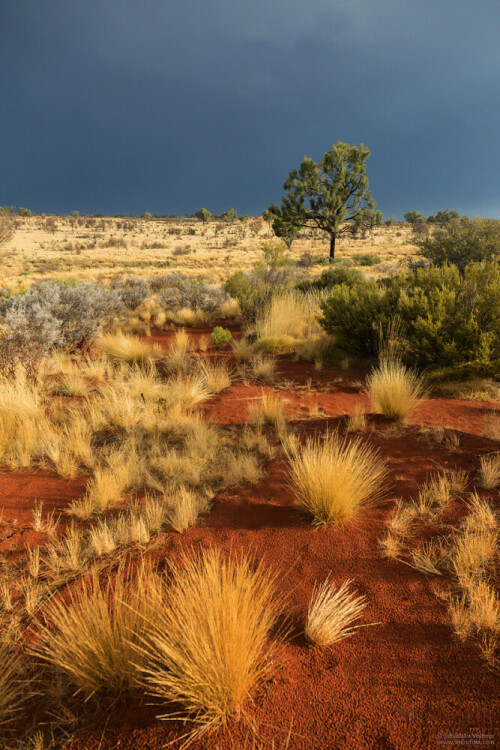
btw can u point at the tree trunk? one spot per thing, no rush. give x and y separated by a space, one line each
332 247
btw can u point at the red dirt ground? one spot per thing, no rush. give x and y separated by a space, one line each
399 684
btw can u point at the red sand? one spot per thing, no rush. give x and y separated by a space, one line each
398 684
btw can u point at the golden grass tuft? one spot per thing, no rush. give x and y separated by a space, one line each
267 410
394 390
242 350
184 507
484 607
332 478
491 425
263 368
207 644
332 613
128 349
490 471
357 420
91 636
481 516
473 555
215 374
428 558
288 318
390 545
433 497
14 688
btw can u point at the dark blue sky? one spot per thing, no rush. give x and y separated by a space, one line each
125 106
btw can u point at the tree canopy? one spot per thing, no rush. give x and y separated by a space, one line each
331 195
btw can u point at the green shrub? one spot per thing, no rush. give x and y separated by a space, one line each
272 273
353 313
462 241
366 260
414 216
443 217
252 293
332 278
447 318
220 336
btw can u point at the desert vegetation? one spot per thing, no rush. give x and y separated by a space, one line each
213 482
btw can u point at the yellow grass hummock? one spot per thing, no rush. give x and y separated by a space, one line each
394 390
332 478
207 643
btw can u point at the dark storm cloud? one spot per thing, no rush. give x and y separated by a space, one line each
166 105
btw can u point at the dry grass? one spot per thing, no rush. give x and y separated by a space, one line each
316 349
491 425
473 554
121 472
490 471
458 479
203 342
394 390
402 520
391 545
14 686
188 391
289 318
215 374
433 497
475 389
242 350
142 247
237 468
357 420
484 607
263 368
428 558
129 349
91 636
481 516
207 645
460 618
268 410
22 420
332 478
184 507
332 612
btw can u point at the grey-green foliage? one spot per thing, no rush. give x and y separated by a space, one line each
461 241
54 314
331 194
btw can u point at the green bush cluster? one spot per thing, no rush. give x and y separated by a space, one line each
331 278
220 336
461 241
271 273
448 318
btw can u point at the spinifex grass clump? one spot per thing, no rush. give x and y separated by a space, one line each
490 471
394 389
332 478
92 635
332 613
130 349
14 688
208 640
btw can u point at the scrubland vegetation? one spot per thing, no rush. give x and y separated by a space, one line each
166 405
